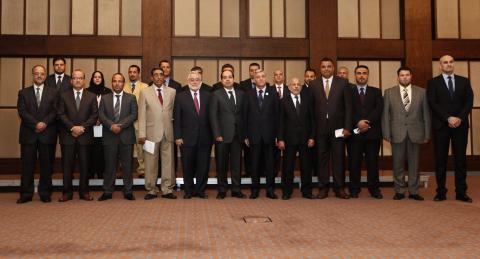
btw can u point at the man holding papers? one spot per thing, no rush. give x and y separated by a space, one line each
155 111
117 113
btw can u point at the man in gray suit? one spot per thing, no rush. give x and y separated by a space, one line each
117 113
406 125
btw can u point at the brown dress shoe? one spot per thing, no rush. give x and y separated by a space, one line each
341 194
86 197
322 194
65 197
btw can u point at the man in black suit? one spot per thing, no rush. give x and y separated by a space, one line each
219 85
118 111
249 84
167 70
38 134
191 128
309 75
333 116
282 90
296 134
227 109
261 123
59 80
203 86
367 106
78 112
451 99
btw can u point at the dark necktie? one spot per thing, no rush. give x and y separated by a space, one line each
116 109
279 92
362 96
230 97
37 95
59 82
133 87
260 98
450 86
160 97
197 104
297 105
77 100
254 85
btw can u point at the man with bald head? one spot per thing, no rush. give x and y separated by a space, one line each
450 98
343 72
296 134
78 112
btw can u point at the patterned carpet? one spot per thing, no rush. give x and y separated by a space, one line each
300 228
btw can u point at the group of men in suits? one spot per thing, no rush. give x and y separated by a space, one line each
317 120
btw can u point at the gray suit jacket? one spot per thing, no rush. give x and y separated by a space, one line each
227 119
397 123
128 114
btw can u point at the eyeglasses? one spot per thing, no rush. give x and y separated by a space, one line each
78 78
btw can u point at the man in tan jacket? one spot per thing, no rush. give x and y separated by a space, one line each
155 111
134 86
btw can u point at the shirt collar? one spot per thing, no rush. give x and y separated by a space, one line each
57 75
445 76
158 87
406 87
329 79
115 94
227 90
293 96
36 86
75 91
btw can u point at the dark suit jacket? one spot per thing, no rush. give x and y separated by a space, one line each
86 116
371 111
65 85
262 123
295 129
175 85
31 114
193 128
227 119
443 106
246 85
203 87
338 106
219 85
128 115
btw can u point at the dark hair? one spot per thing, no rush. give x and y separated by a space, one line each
310 70
227 65
403 68
57 59
135 66
118 73
221 74
361 66
326 59
163 61
102 84
254 64
156 68
197 68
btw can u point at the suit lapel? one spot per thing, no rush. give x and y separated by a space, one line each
414 99
32 94
227 100
123 106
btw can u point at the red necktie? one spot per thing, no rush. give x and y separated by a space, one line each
160 98
195 101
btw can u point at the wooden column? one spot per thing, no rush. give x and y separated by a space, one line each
323 30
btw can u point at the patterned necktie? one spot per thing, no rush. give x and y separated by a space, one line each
160 97
327 88
116 109
362 96
37 95
406 99
260 98
77 100
197 104
59 82
133 87
450 86
280 94
297 105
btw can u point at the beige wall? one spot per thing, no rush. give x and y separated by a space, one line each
457 19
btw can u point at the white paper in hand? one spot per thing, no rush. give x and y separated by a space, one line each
149 146
339 133
97 131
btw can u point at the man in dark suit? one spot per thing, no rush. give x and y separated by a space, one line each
282 90
333 116
249 84
191 128
219 85
367 106
451 99
227 109
296 134
167 70
59 80
38 134
78 112
261 123
309 75
118 111
203 86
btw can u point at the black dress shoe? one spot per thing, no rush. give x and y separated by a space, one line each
322 194
129 196
45 199
286 197
221 195
65 197
416 197
272 195
105 197
463 197
354 195
187 196
202 195
239 195
308 196
341 195
377 195
24 200
399 196
150 196
254 195
170 196
440 197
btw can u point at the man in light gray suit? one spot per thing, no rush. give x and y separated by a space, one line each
117 112
406 125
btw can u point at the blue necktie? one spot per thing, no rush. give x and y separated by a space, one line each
450 86
260 98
